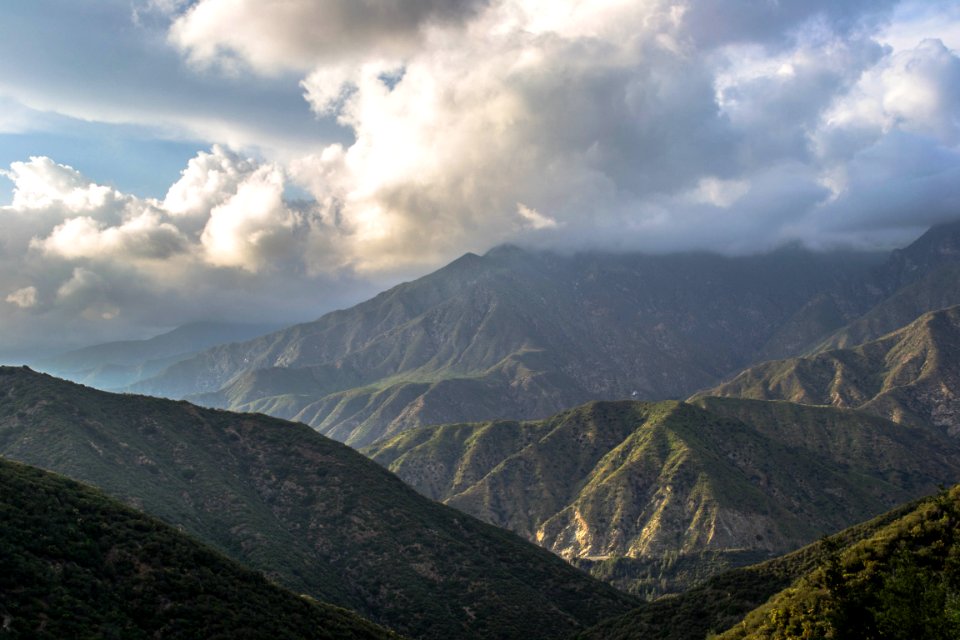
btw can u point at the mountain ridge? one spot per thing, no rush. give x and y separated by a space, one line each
513 333
626 482
784 597
311 513
909 376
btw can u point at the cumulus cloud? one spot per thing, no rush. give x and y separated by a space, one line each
254 227
652 125
659 125
41 183
23 298
144 235
93 261
915 90
298 34
209 179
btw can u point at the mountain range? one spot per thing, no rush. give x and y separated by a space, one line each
512 334
311 513
541 393
521 334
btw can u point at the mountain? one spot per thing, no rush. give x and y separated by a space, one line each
910 376
515 334
919 278
118 364
618 486
900 567
938 289
314 515
77 564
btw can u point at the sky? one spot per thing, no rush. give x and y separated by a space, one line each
167 161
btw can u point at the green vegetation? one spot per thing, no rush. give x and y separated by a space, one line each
311 513
903 582
655 497
77 564
912 536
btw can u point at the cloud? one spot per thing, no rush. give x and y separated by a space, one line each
915 90
534 219
209 179
254 228
110 63
87 260
632 123
23 298
41 183
444 127
141 236
299 33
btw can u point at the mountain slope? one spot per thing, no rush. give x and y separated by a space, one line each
118 364
919 278
937 289
77 564
911 376
313 514
737 600
901 582
627 480
517 334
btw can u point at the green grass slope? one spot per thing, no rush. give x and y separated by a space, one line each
311 513
77 564
620 487
910 376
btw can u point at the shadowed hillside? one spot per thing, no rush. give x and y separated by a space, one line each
77 564
313 514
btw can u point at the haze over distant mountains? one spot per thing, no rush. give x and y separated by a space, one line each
523 334
114 365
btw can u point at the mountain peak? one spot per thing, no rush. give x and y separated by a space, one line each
939 245
506 251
